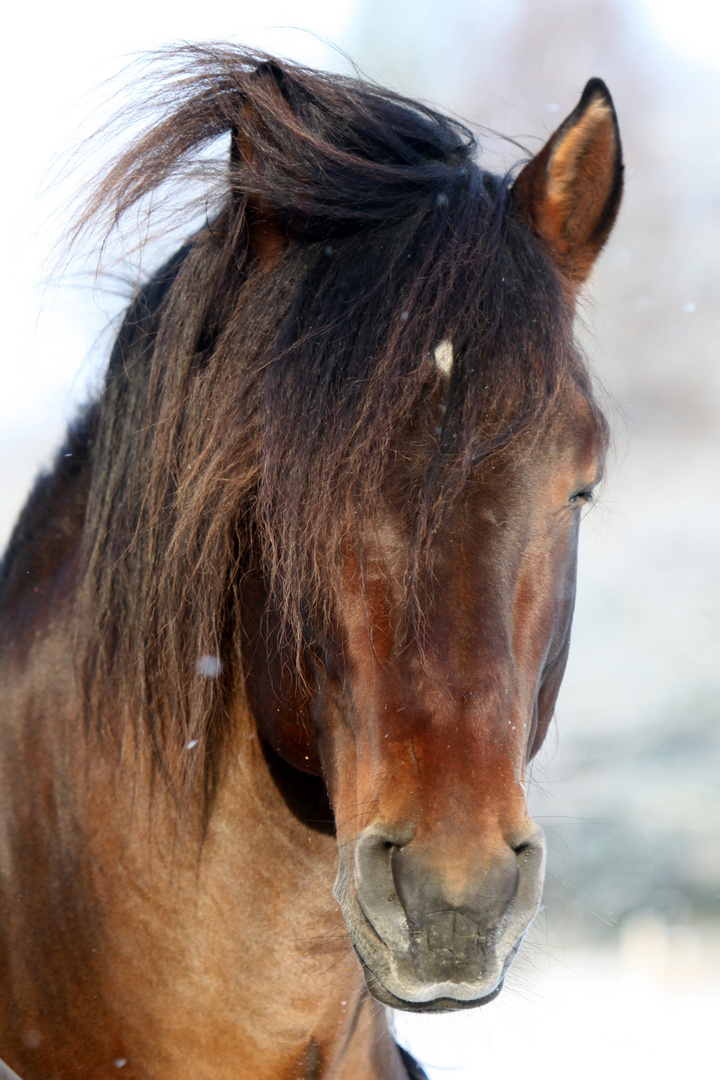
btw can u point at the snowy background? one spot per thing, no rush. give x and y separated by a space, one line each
623 970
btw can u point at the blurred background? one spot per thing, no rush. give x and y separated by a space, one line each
622 967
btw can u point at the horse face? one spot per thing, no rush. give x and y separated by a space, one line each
423 746
424 751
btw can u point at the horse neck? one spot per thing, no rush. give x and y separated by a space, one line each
200 946
246 912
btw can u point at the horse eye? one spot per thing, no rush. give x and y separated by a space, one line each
581 498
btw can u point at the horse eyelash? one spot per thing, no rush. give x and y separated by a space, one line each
586 497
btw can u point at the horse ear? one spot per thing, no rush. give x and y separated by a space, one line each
267 236
570 192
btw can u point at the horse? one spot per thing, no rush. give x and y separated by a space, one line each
285 623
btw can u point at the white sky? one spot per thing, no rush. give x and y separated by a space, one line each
692 27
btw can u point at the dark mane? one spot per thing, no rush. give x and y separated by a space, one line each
250 418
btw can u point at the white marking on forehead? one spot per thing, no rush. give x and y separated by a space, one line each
444 356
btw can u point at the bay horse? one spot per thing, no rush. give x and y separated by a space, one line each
286 622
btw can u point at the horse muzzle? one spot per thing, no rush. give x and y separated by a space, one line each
432 941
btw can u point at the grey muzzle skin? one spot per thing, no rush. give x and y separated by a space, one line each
419 949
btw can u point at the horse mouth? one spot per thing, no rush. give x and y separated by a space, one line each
412 983
381 993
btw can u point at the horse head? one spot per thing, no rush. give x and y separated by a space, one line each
422 725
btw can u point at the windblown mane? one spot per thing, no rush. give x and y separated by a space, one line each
251 411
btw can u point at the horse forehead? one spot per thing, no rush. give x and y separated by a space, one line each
578 431
503 509
569 451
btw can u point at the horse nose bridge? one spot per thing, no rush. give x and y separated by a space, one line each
444 759
453 785
460 782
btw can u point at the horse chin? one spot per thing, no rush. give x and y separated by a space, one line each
391 980
435 1005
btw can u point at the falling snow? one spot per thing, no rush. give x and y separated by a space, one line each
209 666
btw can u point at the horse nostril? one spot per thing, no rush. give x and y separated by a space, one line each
529 843
374 859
